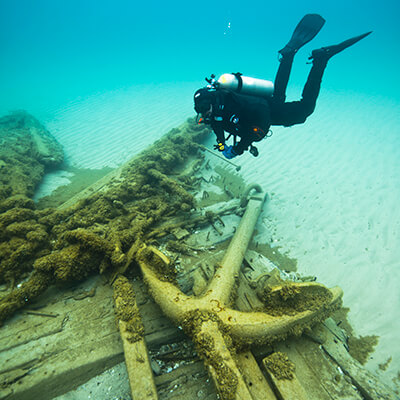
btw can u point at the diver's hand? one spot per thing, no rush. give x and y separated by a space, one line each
229 152
220 146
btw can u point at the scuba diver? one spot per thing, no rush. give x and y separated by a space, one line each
247 107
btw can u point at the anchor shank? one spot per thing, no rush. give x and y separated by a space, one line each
224 279
220 362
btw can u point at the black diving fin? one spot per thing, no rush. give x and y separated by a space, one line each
325 53
305 30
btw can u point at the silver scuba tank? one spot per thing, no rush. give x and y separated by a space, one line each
246 85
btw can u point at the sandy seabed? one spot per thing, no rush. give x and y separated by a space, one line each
334 184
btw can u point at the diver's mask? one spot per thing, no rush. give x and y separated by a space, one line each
204 117
203 101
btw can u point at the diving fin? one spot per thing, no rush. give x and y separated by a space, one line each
305 30
325 53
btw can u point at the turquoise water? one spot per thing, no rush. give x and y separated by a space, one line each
108 78
53 51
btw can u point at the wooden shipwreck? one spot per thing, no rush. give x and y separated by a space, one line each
155 265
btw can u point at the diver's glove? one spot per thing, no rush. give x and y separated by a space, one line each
220 146
229 152
253 151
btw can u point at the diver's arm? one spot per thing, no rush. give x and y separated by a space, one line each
219 132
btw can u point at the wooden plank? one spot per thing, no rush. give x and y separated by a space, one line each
58 354
316 372
247 299
286 388
42 357
367 383
258 263
138 367
137 359
254 378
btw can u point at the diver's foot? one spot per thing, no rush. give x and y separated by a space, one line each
325 53
305 30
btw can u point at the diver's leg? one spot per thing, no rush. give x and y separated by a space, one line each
282 78
296 112
312 88
320 58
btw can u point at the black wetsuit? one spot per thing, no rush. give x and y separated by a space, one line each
250 117
240 115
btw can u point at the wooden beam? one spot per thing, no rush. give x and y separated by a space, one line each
370 386
316 372
132 333
253 377
287 387
46 357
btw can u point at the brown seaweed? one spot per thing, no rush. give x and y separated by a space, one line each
100 233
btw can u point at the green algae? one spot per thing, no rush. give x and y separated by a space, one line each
384 366
279 365
226 377
361 347
101 233
291 299
26 150
126 309
205 346
164 272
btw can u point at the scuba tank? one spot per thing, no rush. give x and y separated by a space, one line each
236 82
246 85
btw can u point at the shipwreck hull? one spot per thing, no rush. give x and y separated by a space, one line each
168 217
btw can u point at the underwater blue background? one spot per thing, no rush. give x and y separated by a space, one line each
109 77
53 51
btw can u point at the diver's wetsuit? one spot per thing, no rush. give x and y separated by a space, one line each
250 117
240 115
295 112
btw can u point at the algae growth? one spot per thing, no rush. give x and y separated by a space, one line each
126 309
280 366
99 234
107 232
360 347
26 150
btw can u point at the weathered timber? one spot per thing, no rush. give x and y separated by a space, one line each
58 354
132 333
253 377
367 383
46 357
287 389
316 372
